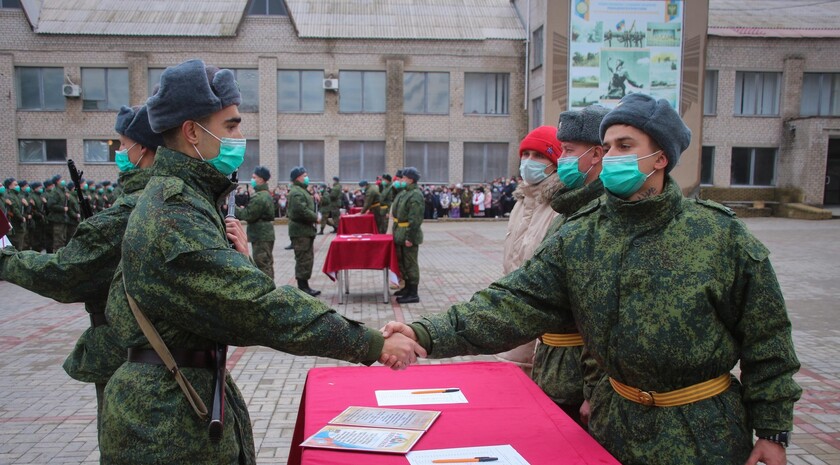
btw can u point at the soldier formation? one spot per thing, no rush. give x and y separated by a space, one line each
643 300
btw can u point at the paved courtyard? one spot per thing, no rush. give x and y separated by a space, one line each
48 418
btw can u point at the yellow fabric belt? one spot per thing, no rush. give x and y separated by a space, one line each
384 206
396 220
562 340
403 225
683 396
375 205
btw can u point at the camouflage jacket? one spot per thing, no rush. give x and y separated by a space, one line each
56 201
15 209
335 196
668 292
198 292
371 199
301 212
259 213
73 211
81 271
409 207
387 196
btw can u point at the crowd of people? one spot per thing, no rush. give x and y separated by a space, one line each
643 301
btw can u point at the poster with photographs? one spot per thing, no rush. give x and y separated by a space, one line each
619 47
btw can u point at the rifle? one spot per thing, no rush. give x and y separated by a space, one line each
76 176
217 415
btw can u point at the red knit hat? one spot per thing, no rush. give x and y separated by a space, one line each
543 140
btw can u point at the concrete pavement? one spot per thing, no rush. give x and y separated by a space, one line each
48 418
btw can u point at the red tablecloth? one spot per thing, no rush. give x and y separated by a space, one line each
354 210
505 407
362 224
362 252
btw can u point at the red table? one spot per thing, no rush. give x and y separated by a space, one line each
361 224
361 252
505 407
354 210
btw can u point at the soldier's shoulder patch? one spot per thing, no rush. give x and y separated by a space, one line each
715 206
587 209
171 187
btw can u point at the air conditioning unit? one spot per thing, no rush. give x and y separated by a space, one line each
331 84
71 90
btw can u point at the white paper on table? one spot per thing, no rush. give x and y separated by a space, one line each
506 454
4 242
405 397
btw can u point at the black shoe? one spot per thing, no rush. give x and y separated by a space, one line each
321 232
303 285
410 296
401 292
289 247
315 293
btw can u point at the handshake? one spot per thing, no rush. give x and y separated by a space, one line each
401 348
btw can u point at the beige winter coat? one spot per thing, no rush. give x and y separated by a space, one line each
528 223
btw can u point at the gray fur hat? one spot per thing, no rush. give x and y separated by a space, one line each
657 119
363 183
133 122
262 172
186 94
581 125
296 172
411 173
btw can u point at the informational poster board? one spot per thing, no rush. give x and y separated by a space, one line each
618 47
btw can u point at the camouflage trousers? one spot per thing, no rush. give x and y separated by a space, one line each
328 219
409 266
304 256
59 235
264 257
18 237
711 431
382 218
557 371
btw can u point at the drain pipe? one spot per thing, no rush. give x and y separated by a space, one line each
527 24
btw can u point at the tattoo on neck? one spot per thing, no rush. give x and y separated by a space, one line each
648 193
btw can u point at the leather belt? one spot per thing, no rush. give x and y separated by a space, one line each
683 396
97 319
562 340
184 358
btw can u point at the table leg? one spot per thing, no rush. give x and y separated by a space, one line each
346 281
340 283
385 294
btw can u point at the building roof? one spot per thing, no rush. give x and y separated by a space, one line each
774 18
406 19
210 18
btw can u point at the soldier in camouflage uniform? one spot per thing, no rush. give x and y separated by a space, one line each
325 207
15 211
386 198
73 212
200 293
57 208
335 203
408 211
372 203
558 367
259 213
82 270
39 217
303 219
669 295
107 194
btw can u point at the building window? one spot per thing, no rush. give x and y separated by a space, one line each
101 151
10 4
251 161
536 113
753 166
431 158
537 48
104 88
43 150
486 93
757 93
39 88
361 92
154 79
249 86
300 91
426 93
707 165
484 162
710 91
820 94
306 153
359 160
267 7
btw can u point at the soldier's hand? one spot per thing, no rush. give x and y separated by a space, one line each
584 412
65 208
395 327
767 452
400 351
8 202
236 235
408 243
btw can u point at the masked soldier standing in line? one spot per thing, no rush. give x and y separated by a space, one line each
57 212
669 294
16 213
303 218
385 200
325 207
259 213
335 203
39 218
83 269
372 203
198 293
408 217
73 212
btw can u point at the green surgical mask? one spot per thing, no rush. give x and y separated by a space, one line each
231 153
254 183
62 183
2 189
621 175
123 162
306 180
568 172
27 189
16 188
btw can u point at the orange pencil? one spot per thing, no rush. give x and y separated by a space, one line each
467 460
435 391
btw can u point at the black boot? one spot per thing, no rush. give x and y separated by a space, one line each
410 297
402 291
289 247
303 285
